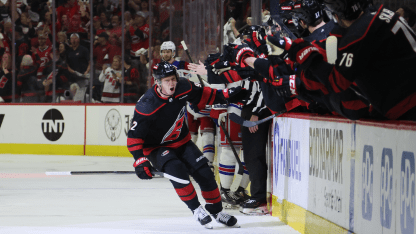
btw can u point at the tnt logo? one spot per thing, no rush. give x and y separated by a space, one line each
53 124
367 182
386 188
407 193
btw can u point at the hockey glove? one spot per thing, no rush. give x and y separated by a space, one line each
235 94
285 86
241 53
257 42
296 51
143 168
139 33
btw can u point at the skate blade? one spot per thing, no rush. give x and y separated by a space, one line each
208 226
235 226
229 206
255 211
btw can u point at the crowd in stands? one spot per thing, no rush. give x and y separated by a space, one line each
34 34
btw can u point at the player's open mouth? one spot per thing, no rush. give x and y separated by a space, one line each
171 89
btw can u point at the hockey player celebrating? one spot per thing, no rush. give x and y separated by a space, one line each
375 45
196 120
159 138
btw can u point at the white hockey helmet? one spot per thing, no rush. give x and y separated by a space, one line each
168 45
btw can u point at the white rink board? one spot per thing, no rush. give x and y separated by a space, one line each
108 125
29 124
290 160
384 158
329 170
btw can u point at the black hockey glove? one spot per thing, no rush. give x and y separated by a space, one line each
285 86
242 52
139 33
297 51
143 168
257 42
235 94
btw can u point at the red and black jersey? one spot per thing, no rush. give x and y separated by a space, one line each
133 75
160 122
136 41
100 52
6 84
41 58
377 53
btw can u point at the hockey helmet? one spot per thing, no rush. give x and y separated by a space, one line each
168 45
345 9
310 11
162 70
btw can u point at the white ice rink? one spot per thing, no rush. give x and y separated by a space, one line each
31 202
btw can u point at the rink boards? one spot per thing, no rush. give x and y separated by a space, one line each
65 129
331 175
328 174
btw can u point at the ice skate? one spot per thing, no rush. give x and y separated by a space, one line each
242 194
203 217
229 199
254 207
226 219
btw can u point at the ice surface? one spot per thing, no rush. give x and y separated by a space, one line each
33 202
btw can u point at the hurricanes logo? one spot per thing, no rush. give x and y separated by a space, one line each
176 128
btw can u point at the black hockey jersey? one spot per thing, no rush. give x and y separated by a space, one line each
378 53
160 122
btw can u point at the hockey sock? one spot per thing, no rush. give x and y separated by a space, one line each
187 192
194 137
209 189
207 139
226 167
246 178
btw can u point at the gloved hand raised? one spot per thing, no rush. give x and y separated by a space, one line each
297 51
235 94
241 52
143 168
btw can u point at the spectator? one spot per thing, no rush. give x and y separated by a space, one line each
138 33
132 90
25 23
6 78
41 55
34 41
111 78
135 5
27 81
407 14
145 8
78 56
22 45
62 77
115 49
116 23
101 53
97 26
63 39
4 42
105 21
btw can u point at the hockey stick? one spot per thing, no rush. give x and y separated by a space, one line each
190 59
247 123
331 45
156 174
239 176
331 49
